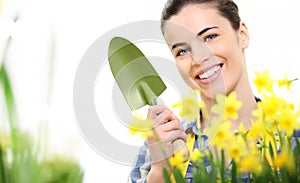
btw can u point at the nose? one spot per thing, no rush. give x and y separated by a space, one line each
200 52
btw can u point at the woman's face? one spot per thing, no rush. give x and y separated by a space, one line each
209 53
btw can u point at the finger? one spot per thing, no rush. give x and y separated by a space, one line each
174 135
163 117
171 125
173 117
167 137
155 110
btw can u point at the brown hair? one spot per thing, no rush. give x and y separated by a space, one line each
227 8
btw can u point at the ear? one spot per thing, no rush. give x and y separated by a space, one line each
244 35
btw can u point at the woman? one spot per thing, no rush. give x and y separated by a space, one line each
208 41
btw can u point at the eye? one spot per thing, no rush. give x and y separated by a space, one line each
182 52
210 37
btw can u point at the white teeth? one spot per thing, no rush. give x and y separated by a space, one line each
210 72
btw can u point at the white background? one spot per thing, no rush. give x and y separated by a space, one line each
76 24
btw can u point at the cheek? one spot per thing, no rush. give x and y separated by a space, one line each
226 48
183 69
184 72
220 50
229 55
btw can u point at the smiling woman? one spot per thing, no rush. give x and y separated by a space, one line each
274 44
208 41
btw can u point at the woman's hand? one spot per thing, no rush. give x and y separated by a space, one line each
167 130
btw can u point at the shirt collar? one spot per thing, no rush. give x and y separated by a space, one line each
190 127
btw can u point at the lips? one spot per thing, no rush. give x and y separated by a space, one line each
208 74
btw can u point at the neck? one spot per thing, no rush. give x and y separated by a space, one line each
246 96
245 112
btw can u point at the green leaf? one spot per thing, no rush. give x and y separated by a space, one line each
233 172
271 150
166 176
178 176
3 168
222 166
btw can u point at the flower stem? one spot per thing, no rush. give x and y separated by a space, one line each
222 166
162 147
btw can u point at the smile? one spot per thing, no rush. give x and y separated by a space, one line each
210 72
209 75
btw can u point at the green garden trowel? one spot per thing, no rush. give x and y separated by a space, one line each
139 82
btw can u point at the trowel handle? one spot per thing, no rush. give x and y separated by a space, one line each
179 145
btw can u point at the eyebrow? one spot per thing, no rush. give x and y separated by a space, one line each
199 34
205 30
178 44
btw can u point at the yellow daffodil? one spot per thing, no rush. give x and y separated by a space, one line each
142 127
286 82
263 81
253 150
223 136
188 107
227 107
285 159
269 147
197 155
288 122
236 150
258 115
177 158
250 163
212 128
241 129
271 106
257 130
241 134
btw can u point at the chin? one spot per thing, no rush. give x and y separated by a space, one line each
213 91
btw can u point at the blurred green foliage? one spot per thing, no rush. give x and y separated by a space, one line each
22 159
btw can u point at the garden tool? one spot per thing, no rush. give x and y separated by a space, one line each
138 81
